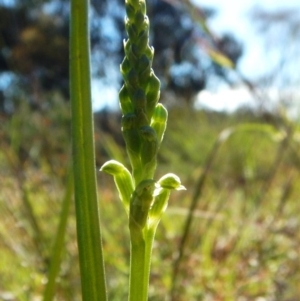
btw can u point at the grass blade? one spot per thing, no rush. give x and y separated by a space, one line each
86 200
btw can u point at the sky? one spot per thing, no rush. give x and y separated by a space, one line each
234 16
231 17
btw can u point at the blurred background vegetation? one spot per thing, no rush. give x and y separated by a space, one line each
233 235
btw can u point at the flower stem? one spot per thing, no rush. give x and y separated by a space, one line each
138 288
140 262
150 233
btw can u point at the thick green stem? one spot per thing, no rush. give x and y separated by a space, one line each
140 261
145 214
86 201
138 290
149 235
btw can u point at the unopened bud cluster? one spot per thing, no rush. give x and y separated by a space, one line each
143 125
144 120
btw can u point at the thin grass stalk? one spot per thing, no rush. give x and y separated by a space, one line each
194 202
265 189
86 200
260 200
30 216
58 245
35 235
281 150
286 192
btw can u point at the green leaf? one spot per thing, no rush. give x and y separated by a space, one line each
86 199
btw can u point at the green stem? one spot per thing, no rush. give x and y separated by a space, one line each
140 263
137 290
147 264
86 200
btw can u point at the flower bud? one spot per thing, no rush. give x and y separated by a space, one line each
126 45
159 206
149 144
125 66
144 64
142 7
159 121
142 118
140 203
132 58
136 50
131 31
139 19
148 152
142 39
128 121
144 69
122 178
139 99
152 93
149 52
132 79
171 181
130 133
130 11
125 101
134 3
146 24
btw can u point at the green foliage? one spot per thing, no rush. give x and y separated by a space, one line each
235 248
234 234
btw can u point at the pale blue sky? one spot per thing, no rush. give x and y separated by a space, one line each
257 60
232 16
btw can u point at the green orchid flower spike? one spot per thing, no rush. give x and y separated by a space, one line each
144 123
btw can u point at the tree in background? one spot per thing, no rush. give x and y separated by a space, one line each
34 47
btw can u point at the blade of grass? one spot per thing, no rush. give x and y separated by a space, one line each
194 202
86 201
59 241
30 216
